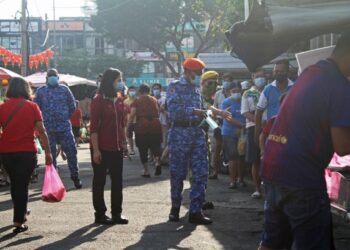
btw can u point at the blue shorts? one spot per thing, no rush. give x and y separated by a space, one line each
295 215
230 144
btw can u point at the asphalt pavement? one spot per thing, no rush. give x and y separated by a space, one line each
69 224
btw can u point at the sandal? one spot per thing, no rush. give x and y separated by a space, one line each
20 229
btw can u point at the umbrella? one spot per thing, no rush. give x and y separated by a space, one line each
273 26
7 74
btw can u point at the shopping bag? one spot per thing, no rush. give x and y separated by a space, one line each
53 188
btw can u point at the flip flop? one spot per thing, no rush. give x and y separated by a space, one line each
21 229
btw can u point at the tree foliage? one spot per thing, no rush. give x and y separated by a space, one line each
79 63
153 23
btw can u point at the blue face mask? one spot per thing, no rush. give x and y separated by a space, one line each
156 92
226 85
260 82
119 86
52 81
236 96
132 93
197 80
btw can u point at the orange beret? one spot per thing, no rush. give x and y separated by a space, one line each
193 64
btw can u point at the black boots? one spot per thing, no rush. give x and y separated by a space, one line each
174 214
77 182
199 219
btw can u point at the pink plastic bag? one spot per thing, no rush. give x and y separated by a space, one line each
53 188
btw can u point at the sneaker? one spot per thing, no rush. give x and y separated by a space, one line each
256 195
174 215
77 182
233 185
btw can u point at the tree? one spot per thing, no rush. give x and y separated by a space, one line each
81 64
154 23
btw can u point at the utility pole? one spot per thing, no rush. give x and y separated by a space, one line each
54 32
24 34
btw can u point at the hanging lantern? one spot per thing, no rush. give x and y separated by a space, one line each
46 60
2 51
5 61
19 60
31 65
36 64
8 53
50 53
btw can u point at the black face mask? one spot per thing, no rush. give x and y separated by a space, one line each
281 77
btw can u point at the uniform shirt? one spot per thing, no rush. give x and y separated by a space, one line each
269 98
57 105
181 99
229 129
76 118
18 136
108 120
250 99
299 146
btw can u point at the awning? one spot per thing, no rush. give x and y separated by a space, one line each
7 74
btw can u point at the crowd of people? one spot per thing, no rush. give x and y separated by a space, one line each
285 133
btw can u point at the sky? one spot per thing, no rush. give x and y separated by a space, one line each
38 8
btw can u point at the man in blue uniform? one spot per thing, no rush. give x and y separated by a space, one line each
57 104
187 144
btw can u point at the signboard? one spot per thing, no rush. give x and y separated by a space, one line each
66 25
137 81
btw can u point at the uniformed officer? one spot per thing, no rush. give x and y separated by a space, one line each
187 144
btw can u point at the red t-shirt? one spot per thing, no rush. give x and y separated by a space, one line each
18 136
76 118
108 120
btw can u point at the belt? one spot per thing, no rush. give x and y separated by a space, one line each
186 123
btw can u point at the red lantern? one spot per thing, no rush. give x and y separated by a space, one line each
19 61
6 61
8 53
36 64
31 65
51 53
46 60
2 51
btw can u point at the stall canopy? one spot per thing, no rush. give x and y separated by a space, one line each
80 87
7 74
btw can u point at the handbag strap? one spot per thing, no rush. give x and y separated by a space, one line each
20 105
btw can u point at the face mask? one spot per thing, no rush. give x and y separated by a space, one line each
132 93
156 92
236 96
52 81
226 85
281 77
119 86
197 80
260 82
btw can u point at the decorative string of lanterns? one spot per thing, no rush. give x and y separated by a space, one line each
34 60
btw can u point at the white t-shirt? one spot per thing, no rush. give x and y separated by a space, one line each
162 115
249 101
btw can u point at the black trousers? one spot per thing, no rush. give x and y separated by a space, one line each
145 142
19 166
113 161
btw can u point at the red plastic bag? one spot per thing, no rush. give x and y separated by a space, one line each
53 188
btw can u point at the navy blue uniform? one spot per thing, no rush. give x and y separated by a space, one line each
187 144
57 105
